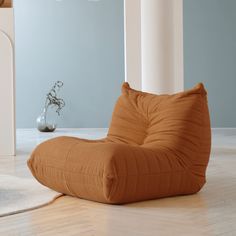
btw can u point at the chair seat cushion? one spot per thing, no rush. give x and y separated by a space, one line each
137 161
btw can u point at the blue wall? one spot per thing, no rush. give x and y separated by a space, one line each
81 43
77 41
210 54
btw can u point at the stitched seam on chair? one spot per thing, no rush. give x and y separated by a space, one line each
69 151
171 173
137 179
76 182
146 160
126 179
158 163
159 173
200 142
186 172
113 189
172 151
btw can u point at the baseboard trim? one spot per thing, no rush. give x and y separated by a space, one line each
224 130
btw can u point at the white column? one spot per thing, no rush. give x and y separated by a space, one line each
7 91
154 45
161 37
132 25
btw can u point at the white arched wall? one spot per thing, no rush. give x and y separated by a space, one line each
154 45
7 91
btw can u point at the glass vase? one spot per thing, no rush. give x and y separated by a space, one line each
46 122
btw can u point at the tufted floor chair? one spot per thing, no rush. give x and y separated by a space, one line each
157 146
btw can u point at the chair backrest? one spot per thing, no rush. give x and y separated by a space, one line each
176 124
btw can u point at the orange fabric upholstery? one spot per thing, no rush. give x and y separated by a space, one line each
157 146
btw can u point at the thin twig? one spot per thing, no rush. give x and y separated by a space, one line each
52 98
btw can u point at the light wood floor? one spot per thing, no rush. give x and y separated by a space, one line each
210 212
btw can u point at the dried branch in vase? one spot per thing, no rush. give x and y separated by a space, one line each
52 97
44 123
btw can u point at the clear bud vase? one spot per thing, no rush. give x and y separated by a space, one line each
46 122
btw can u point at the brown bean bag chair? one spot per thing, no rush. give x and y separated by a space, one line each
157 146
